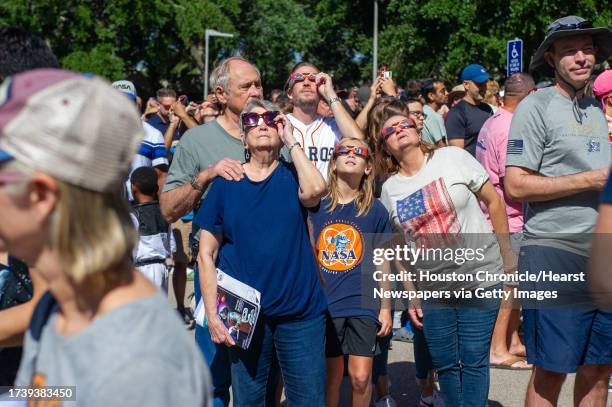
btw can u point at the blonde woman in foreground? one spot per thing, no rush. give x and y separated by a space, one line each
66 142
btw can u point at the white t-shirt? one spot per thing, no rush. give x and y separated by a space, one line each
151 153
437 207
317 139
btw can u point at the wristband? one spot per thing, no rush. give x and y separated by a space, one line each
334 99
297 143
196 185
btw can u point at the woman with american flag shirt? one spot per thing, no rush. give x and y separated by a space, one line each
432 197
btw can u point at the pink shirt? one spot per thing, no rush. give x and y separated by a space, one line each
491 153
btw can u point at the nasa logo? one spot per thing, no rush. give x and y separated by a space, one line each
593 146
339 247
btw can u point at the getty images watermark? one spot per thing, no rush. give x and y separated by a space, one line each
467 271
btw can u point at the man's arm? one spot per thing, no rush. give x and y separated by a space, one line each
14 321
174 121
525 185
162 174
455 128
179 110
457 142
346 124
179 201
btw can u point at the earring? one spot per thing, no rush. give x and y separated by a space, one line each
247 155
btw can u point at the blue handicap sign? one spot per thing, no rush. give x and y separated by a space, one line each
514 56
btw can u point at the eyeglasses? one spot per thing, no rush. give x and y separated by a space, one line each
253 119
360 151
565 27
404 124
299 77
419 115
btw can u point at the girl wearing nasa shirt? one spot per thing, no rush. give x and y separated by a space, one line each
341 223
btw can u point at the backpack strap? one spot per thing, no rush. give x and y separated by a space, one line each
45 307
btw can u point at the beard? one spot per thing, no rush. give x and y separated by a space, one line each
477 96
306 101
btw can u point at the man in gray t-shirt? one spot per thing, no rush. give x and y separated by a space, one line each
558 157
546 138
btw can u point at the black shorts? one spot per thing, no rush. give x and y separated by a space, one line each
351 336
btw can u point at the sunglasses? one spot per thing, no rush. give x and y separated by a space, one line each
253 119
404 124
346 150
581 25
299 77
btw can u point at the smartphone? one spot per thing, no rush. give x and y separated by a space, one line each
387 74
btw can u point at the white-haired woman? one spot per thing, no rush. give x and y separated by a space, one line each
255 231
102 328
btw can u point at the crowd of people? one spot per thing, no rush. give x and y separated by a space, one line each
101 191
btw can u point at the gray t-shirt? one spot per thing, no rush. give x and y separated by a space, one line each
434 129
548 136
136 355
199 148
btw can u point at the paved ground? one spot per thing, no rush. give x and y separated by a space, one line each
507 387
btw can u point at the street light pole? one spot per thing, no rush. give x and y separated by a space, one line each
207 34
375 45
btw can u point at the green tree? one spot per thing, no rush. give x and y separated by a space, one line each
151 42
155 42
440 37
274 34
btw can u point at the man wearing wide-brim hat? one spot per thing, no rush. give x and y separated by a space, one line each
558 158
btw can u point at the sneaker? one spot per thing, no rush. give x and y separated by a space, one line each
386 401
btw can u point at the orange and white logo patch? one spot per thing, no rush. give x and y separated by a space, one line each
339 247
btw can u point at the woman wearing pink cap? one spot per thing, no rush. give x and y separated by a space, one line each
102 334
602 88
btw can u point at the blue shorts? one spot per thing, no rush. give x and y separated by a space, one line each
561 338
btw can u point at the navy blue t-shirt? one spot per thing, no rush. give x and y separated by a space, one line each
162 126
607 194
464 122
265 241
344 242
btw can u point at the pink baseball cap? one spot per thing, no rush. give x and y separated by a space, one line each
72 127
603 86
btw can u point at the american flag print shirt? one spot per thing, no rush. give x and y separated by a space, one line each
429 216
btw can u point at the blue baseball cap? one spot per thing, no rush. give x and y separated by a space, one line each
4 156
474 72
